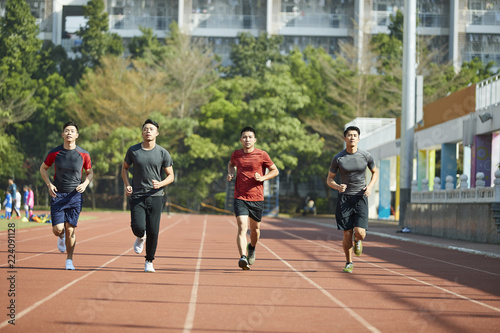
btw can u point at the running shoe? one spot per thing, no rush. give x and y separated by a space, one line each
358 248
69 265
61 243
348 268
250 254
148 267
139 244
243 263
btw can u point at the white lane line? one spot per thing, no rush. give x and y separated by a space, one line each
60 290
188 324
400 274
422 243
404 239
350 311
48 232
79 242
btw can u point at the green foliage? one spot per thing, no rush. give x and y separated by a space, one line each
220 199
18 61
11 157
96 40
139 46
270 106
107 154
253 56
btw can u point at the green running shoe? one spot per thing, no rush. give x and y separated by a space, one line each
358 248
250 254
348 268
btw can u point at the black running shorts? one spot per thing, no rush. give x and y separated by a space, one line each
352 211
251 208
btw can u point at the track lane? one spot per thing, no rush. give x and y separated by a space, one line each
294 286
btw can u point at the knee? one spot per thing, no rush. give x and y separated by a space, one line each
360 234
58 229
138 232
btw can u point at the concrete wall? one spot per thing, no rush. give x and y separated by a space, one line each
471 222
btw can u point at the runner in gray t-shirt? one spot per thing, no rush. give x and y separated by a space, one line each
146 203
352 205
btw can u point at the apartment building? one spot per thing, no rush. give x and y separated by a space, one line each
469 28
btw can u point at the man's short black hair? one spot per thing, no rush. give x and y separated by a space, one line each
70 123
149 121
248 129
352 128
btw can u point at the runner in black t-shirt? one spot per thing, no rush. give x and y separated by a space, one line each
149 161
352 205
66 190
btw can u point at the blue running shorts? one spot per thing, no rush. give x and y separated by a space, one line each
66 207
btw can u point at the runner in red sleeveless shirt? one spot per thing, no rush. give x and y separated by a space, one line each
251 164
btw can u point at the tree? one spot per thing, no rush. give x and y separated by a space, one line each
120 92
19 45
18 62
96 40
107 158
253 56
188 69
139 46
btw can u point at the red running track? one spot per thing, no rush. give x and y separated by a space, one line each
295 285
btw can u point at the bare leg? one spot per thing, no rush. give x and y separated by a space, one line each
70 240
359 233
58 230
254 232
347 245
241 238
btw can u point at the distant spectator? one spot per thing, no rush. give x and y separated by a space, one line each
7 203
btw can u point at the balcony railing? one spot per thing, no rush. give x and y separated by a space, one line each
126 22
219 21
425 20
483 17
488 92
300 20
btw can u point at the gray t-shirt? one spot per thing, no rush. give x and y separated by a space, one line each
146 166
352 169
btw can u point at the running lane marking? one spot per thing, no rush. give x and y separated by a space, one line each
421 243
398 273
63 288
350 311
47 234
188 324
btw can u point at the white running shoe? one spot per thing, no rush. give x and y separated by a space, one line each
139 244
69 265
61 243
148 267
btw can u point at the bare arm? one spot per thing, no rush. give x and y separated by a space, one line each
330 181
368 188
90 175
230 171
128 188
46 178
167 180
273 172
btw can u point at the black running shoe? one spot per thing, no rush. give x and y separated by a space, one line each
250 254
243 263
